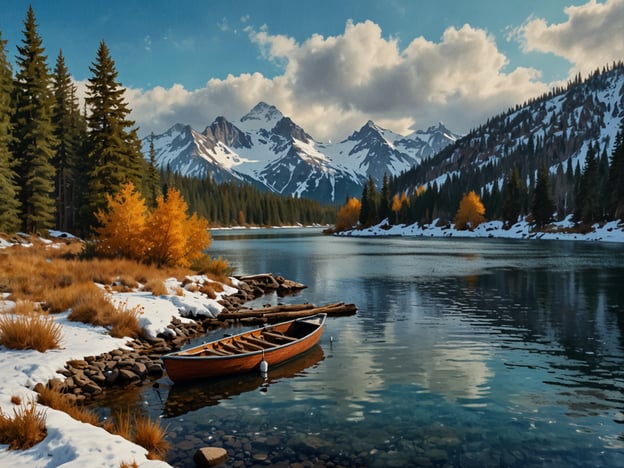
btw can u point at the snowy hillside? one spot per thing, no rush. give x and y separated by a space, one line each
553 130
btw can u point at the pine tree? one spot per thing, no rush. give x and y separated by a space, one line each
512 197
369 214
588 197
9 214
152 185
34 138
385 201
69 131
542 205
616 176
114 150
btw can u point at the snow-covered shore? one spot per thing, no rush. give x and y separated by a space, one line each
70 443
609 232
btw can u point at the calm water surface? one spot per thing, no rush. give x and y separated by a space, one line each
462 353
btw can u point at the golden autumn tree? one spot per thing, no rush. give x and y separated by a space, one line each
173 237
122 224
397 204
348 215
470 212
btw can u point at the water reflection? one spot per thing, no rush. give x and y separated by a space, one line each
186 397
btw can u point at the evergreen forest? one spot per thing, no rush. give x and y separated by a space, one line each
58 161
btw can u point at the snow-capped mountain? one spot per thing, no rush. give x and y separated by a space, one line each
270 150
374 151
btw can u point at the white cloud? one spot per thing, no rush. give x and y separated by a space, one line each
333 85
589 39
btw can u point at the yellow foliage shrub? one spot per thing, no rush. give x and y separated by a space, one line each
122 224
166 236
470 212
174 238
348 215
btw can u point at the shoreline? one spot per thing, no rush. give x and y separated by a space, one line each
610 232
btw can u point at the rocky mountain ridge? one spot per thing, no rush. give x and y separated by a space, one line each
269 150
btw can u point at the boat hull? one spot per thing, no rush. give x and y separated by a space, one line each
184 366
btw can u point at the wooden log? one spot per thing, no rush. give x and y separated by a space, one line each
336 309
244 313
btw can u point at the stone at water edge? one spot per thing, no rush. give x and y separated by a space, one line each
210 456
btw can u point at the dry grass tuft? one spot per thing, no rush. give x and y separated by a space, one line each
142 431
120 424
92 307
52 397
16 400
151 436
217 268
25 429
156 286
33 331
211 289
132 464
124 322
62 299
24 307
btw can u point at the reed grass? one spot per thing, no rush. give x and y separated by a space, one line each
52 397
217 268
141 430
32 331
151 435
124 322
25 429
156 287
132 464
120 424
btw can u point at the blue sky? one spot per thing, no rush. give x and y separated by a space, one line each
330 65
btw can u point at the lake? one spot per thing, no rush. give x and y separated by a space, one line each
462 353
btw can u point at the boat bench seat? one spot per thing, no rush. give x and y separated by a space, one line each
259 342
278 336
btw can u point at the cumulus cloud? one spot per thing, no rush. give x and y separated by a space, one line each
333 85
589 38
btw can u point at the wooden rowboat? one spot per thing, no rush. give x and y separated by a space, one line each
244 352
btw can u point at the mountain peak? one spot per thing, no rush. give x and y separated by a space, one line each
263 112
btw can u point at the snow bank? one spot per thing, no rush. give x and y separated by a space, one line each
70 443
610 232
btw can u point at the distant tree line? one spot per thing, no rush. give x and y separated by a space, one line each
238 203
